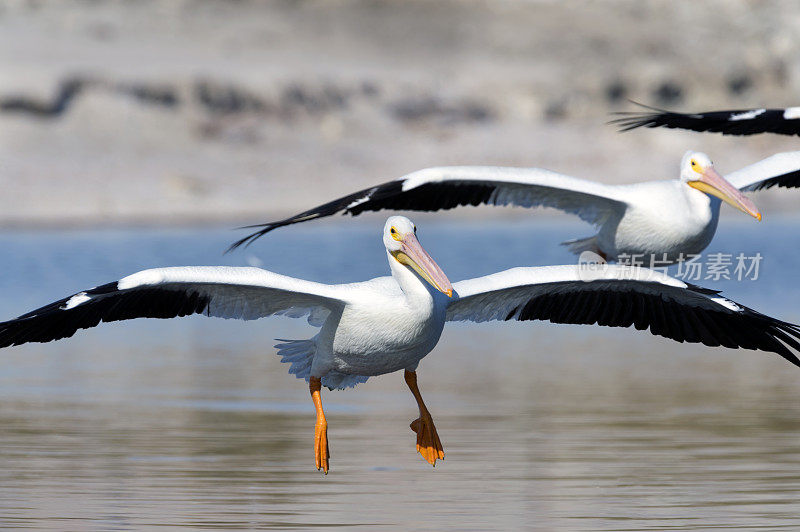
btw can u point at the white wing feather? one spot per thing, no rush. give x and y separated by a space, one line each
240 293
776 165
244 293
530 187
495 296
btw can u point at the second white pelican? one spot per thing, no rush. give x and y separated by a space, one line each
658 219
390 323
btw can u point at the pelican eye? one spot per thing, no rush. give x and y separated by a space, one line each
394 233
694 165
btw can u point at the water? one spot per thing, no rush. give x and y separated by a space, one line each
195 423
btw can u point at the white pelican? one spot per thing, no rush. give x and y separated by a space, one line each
390 323
733 122
653 219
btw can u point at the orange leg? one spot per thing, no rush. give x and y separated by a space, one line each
321 452
428 443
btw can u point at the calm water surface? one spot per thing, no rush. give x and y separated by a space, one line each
195 423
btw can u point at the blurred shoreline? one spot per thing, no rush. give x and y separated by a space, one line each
159 113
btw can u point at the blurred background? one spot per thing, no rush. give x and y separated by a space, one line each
137 134
177 111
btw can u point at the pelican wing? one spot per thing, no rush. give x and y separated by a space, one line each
434 189
779 170
734 122
240 293
620 296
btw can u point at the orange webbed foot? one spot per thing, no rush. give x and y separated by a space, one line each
428 443
322 453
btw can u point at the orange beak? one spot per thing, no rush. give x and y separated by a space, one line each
716 185
414 255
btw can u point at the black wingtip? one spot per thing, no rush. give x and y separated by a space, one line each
789 334
341 204
233 247
252 237
629 120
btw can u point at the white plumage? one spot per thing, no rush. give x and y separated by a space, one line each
658 219
781 169
367 328
390 323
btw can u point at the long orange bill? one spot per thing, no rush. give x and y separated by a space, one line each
414 255
716 185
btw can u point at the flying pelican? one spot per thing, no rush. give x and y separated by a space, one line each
654 219
389 324
733 122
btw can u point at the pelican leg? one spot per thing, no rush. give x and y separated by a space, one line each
428 443
321 452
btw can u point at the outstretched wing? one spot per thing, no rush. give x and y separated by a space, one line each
225 292
734 122
434 189
621 296
779 170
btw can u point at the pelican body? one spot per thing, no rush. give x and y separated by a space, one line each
657 220
386 324
389 324
362 342
681 222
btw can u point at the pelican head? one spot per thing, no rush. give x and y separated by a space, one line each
698 172
400 238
